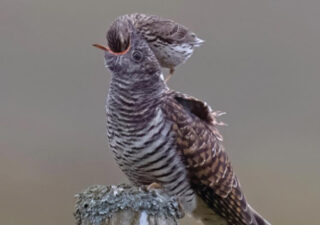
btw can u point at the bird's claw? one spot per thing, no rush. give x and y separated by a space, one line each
169 75
154 185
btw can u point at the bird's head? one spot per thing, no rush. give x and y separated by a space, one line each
137 61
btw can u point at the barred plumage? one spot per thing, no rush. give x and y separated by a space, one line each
159 135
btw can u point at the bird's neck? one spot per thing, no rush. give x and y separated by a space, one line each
135 91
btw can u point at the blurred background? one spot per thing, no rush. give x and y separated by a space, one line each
260 63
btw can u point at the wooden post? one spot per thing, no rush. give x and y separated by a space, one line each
125 205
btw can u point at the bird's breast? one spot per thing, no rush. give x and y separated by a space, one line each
144 147
171 55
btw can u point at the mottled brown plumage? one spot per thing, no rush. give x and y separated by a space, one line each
210 171
200 142
171 42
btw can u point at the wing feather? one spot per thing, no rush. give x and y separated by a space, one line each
165 29
199 142
200 146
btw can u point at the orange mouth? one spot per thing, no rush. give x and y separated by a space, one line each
104 48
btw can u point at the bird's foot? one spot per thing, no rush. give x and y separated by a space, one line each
154 185
181 208
171 71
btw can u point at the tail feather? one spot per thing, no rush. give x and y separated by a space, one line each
206 215
234 208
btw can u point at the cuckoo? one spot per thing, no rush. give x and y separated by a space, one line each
160 136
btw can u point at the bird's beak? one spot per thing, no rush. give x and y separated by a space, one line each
109 50
101 47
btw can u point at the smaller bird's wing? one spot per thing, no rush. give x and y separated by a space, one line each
155 27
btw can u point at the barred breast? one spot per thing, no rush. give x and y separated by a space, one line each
143 144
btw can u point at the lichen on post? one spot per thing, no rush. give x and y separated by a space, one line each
126 205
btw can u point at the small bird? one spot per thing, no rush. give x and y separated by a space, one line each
165 137
172 43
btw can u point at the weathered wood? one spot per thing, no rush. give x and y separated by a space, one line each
125 205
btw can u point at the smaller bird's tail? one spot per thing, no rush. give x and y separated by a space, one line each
198 42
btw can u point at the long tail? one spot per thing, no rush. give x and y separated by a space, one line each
206 215
234 208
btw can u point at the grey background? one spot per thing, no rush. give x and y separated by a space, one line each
260 63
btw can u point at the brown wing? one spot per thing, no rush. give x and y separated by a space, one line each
199 142
167 30
200 145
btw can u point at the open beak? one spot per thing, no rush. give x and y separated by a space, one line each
109 50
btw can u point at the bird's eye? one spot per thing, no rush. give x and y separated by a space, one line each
137 56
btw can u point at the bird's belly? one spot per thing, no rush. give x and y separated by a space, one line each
162 166
149 155
170 56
